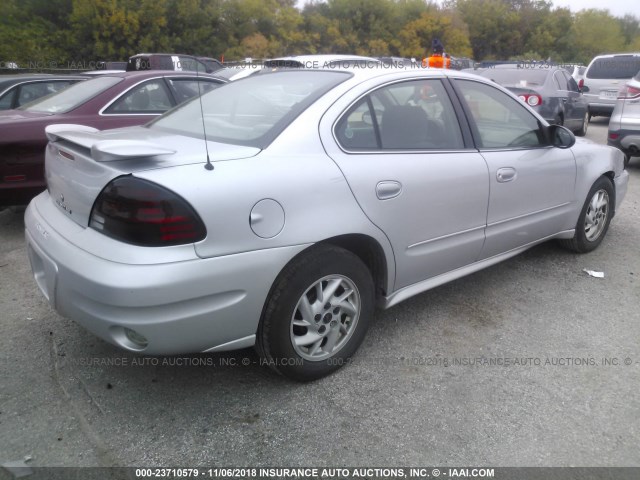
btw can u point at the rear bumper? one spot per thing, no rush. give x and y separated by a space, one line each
598 106
185 306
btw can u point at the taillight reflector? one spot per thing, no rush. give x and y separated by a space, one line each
144 213
531 99
14 178
629 91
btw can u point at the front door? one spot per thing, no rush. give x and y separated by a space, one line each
531 183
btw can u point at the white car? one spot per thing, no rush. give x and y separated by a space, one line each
279 210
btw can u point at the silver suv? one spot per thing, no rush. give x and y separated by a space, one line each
624 126
604 77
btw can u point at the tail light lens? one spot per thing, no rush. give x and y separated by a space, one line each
629 92
531 99
140 212
581 84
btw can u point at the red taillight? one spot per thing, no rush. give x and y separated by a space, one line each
14 178
629 92
532 99
143 213
581 84
614 136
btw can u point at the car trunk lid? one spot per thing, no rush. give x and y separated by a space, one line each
80 161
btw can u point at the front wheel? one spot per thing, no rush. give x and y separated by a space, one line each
594 219
317 313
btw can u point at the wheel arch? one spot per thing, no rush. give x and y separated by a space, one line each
611 176
363 246
370 252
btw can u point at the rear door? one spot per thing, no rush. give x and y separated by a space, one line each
531 183
403 152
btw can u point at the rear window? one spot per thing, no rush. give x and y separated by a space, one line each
618 67
72 97
517 77
252 112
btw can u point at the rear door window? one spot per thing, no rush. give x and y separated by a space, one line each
560 80
411 115
149 97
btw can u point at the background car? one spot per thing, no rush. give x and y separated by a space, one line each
112 66
18 90
107 101
549 91
577 73
604 77
172 61
280 209
624 125
213 64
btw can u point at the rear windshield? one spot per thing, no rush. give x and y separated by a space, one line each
618 67
252 112
73 96
517 77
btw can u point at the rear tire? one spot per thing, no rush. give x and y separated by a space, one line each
594 218
585 124
317 313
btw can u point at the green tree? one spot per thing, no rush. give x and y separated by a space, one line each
28 36
594 32
630 26
417 35
493 28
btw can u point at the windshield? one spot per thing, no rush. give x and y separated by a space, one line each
72 97
252 112
618 67
516 77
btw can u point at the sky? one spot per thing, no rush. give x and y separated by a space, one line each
617 8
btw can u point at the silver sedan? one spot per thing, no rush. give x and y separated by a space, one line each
279 210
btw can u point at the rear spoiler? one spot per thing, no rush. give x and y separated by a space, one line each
104 150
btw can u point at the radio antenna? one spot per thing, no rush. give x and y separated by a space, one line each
208 165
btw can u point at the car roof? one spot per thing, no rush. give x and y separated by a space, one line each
624 54
23 77
321 59
162 73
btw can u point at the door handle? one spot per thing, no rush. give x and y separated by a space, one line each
388 189
506 174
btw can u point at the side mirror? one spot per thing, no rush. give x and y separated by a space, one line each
584 89
561 137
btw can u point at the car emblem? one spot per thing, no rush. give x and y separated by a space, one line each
62 205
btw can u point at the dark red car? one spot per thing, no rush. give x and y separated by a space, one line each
108 101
